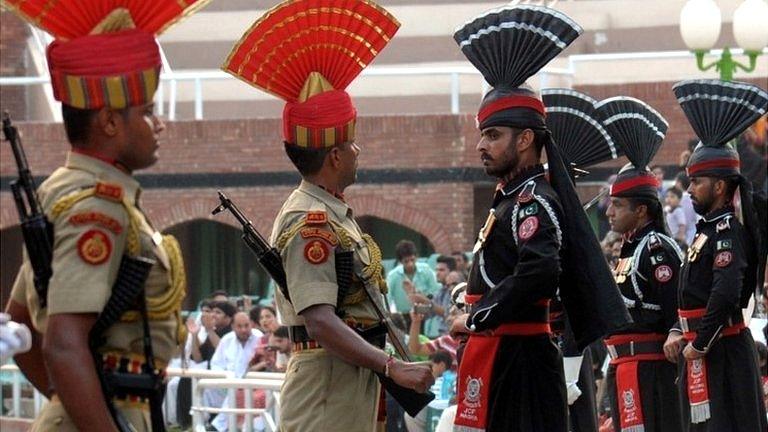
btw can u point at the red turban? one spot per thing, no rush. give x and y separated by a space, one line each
112 69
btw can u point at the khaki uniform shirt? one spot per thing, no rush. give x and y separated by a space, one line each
308 257
322 392
89 242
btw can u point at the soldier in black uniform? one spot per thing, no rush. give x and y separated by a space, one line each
511 374
718 376
640 381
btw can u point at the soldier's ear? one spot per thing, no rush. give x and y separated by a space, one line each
720 186
108 121
524 139
334 156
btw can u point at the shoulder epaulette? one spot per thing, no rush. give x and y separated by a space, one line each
108 191
316 217
526 195
654 242
724 224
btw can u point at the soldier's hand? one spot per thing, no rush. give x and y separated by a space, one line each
692 354
459 326
416 376
673 345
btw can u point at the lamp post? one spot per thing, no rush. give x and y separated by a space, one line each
700 22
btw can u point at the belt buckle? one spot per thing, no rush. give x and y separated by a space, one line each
612 352
632 348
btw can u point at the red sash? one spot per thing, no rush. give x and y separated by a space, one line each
627 383
696 370
476 372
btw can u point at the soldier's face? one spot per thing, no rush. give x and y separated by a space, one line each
497 150
621 215
702 191
142 129
348 154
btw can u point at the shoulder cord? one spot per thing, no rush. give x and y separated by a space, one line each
370 273
169 302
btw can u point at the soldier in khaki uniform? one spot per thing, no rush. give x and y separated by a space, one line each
330 382
106 83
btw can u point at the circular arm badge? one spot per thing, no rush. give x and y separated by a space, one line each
94 247
316 252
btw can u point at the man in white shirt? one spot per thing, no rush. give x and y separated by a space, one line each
233 354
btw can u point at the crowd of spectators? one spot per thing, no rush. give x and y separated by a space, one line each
233 336
421 297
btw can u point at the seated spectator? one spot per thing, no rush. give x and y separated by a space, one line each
408 278
178 394
462 264
219 324
219 296
676 221
280 344
441 362
233 354
445 342
439 304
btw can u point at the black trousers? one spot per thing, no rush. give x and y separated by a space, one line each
528 387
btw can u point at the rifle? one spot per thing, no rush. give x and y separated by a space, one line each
269 259
267 256
128 291
35 227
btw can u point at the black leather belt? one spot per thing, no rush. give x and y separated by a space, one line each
375 335
635 348
693 324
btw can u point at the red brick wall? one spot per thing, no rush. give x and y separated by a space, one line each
443 212
13 36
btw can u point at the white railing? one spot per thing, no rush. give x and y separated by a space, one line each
265 381
17 382
173 78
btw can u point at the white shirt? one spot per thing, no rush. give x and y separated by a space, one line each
232 355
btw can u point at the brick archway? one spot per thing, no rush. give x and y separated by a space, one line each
8 214
404 215
187 210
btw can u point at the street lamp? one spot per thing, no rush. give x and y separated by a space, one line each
700 22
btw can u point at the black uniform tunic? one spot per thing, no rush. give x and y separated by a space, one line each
650 294
715 279
517 267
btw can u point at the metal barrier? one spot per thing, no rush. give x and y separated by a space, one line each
269 414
